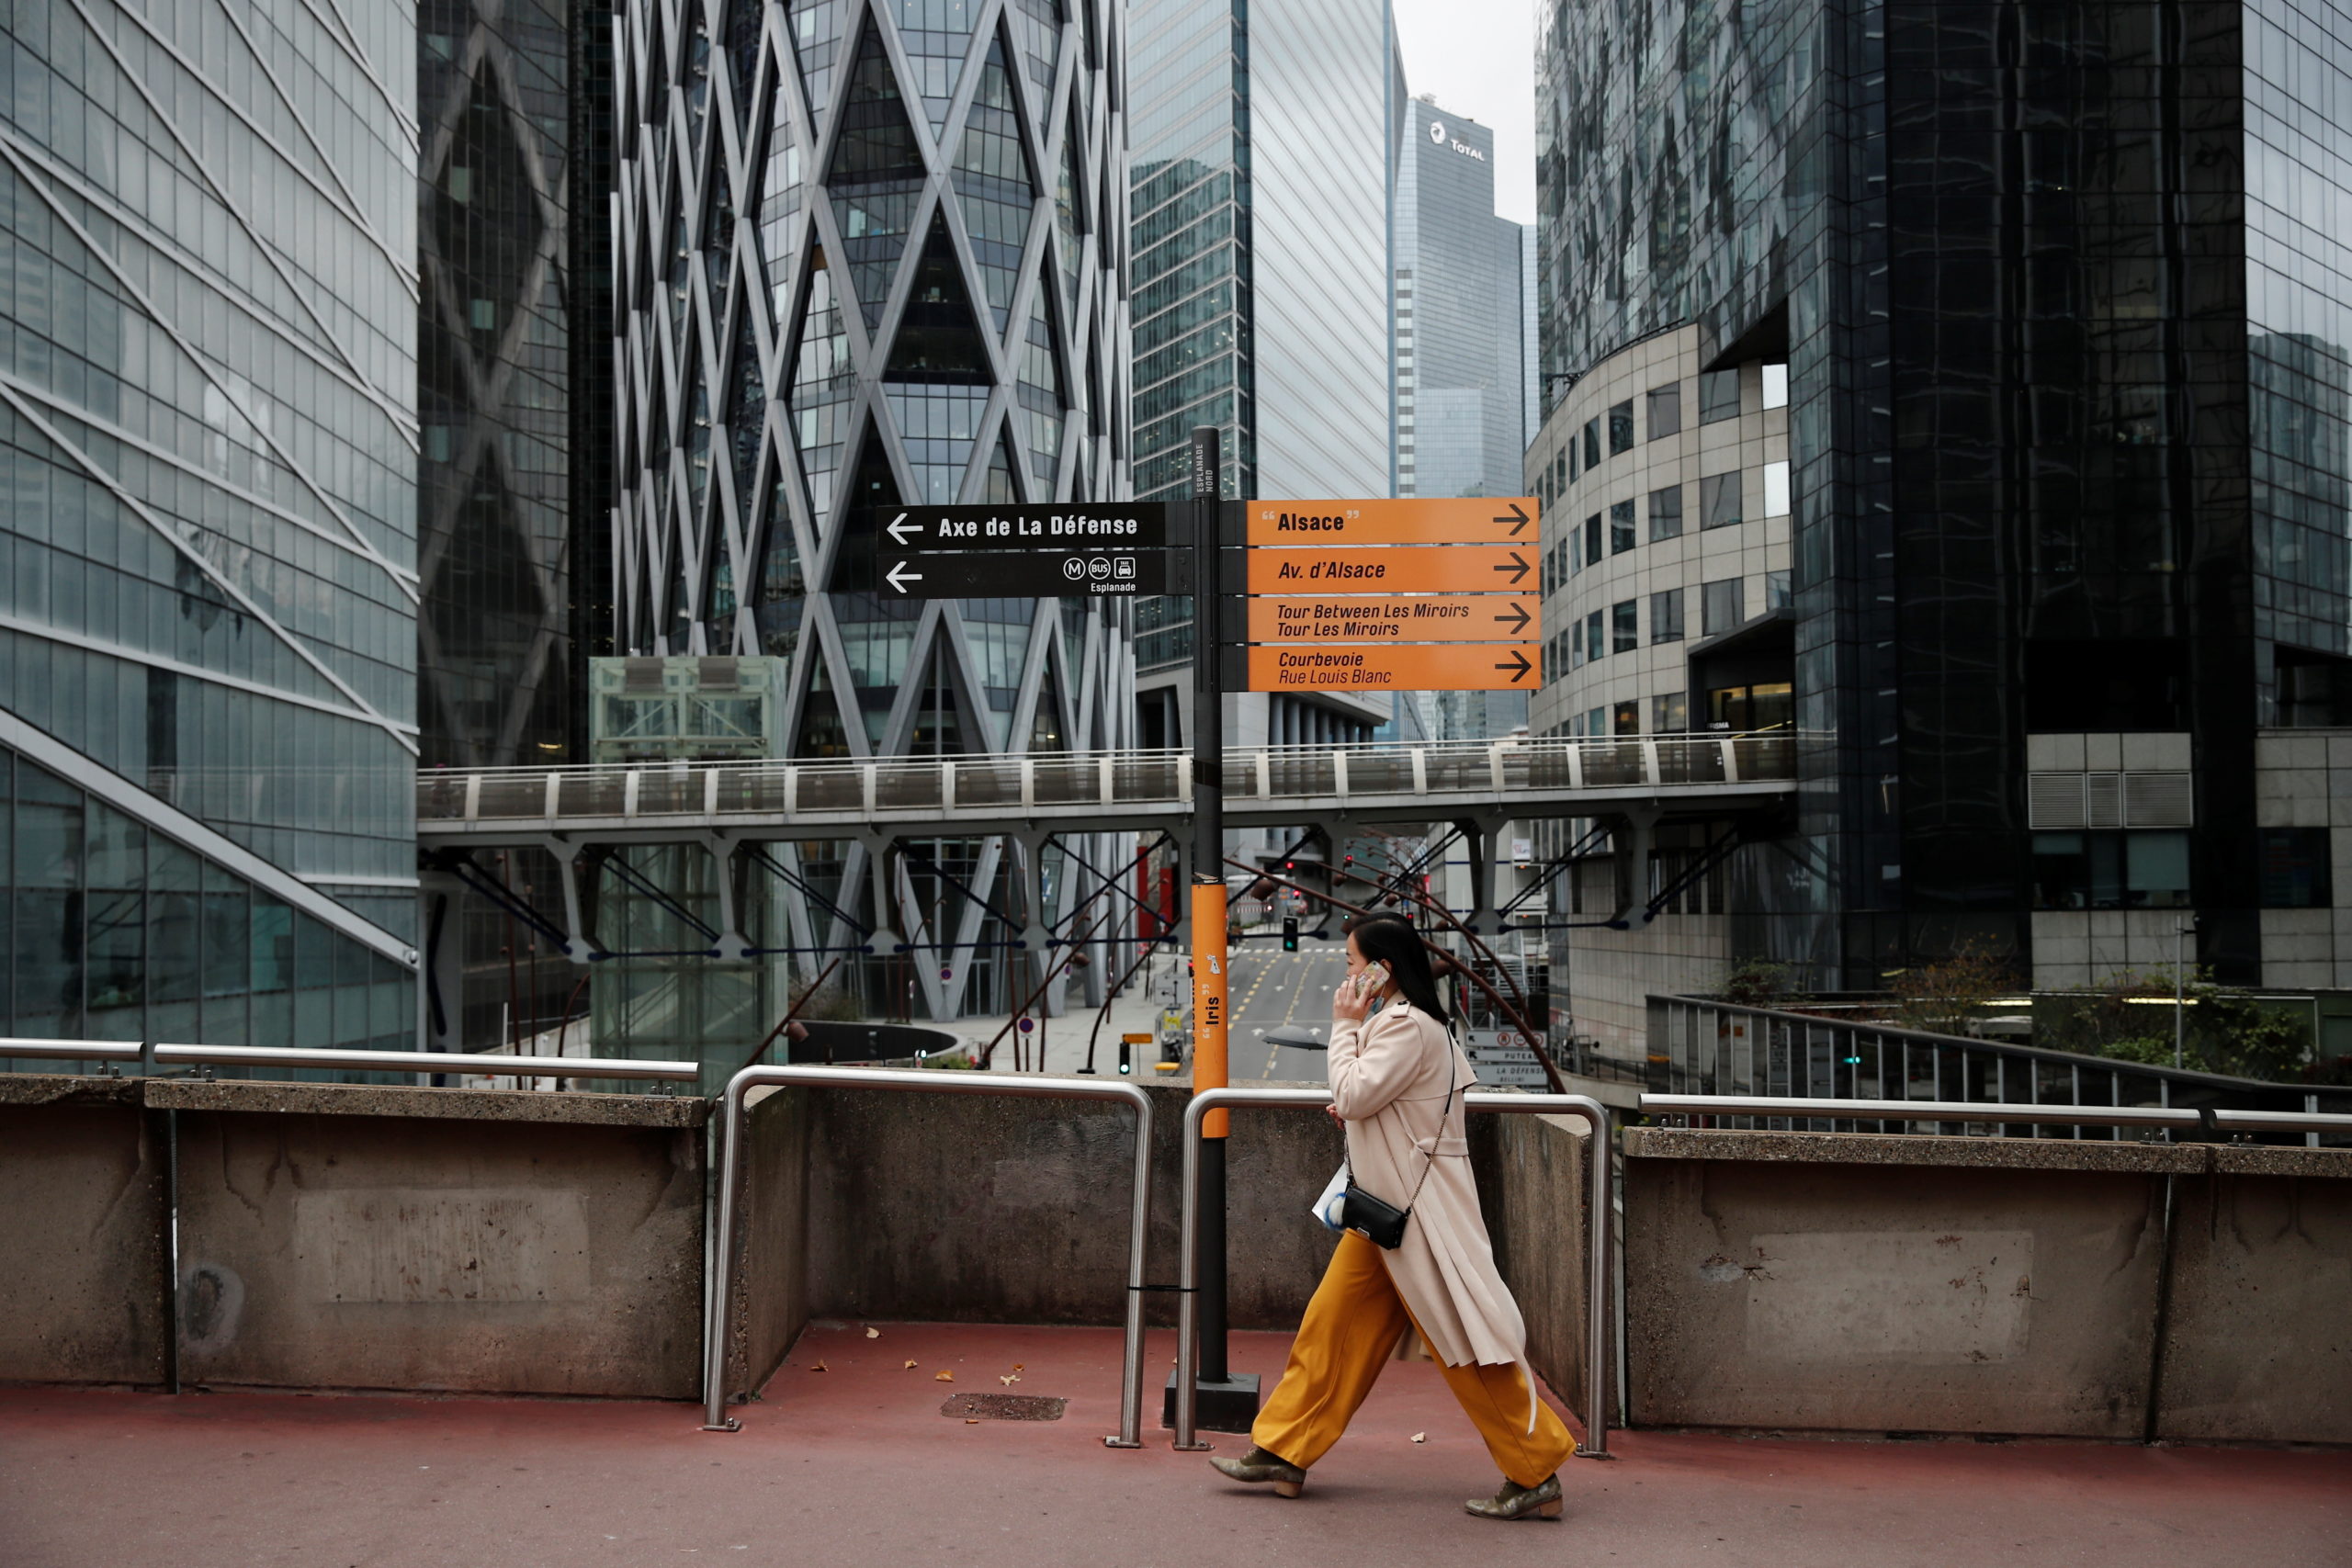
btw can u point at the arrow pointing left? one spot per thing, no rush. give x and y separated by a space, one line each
898 576
899 528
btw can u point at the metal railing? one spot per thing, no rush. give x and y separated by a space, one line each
990 786
1745 1108
1698 1045
1599 1198
717 1307
423 1063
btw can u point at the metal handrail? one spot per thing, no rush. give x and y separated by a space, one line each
718 1302
2007 1112
73 1050
1599 1195
418 1062
427 1061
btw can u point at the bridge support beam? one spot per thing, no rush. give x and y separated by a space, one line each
731 943
1480 834
441 961
1630 843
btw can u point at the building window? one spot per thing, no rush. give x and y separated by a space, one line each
1576 551
1624 626
1596 723
1560 475
1620 528
1669 714
1666 410
2294 870
2110 871
1718 395
1750 708
1720 606
1776 489
1719 500
1665 513
1576 645
1592 540
1776 386
1569 453
1591 444
1665 616
1776 590
1626 718
1620 427
1592 639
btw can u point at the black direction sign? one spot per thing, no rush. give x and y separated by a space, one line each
1058 525
1034 574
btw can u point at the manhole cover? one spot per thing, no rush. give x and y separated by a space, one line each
1003 1406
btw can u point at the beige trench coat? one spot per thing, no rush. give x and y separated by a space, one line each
1388 1080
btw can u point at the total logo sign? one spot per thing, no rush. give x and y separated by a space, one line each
1437 134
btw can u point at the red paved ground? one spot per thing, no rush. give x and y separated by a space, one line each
855 1465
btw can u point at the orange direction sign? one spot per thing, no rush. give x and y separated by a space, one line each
1462 568
1419 617
1481 520
1426 667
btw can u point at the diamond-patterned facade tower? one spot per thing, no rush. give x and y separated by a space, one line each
846 280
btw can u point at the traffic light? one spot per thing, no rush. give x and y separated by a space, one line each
1290 933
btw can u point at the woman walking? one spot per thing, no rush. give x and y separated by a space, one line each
1396 1088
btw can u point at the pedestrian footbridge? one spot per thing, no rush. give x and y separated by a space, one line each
1104 791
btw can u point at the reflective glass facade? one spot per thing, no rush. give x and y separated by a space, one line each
2062 299
496 366
208 564
868 255
1459 355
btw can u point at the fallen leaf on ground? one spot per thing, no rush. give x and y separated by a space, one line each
1420 1437
943 1377
874 1334
971 1420
820 1367
1018 1367
910 1366
1008 1380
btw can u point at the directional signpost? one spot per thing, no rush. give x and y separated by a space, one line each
1394 595
1064 549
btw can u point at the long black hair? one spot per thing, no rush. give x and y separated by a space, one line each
1390 940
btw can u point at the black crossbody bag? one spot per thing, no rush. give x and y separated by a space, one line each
1378 1221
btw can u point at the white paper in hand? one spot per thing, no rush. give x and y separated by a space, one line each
1327 1207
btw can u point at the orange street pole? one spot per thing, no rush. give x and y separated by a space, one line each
1209 997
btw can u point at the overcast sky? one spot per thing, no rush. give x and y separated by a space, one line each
1478 57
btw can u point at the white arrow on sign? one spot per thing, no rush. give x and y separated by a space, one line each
899 576
899 527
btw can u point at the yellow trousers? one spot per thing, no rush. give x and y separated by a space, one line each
1351 1326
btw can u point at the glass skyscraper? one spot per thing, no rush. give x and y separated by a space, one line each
1261 163
208 582
2061 292
1460 357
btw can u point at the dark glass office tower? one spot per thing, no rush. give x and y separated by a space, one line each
496 362
2061 292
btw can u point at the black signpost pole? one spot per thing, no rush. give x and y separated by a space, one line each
1208 850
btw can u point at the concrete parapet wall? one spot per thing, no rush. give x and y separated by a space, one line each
352 1236
81 1235
980 1208
1531 1173
2258 1341
1987 1285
